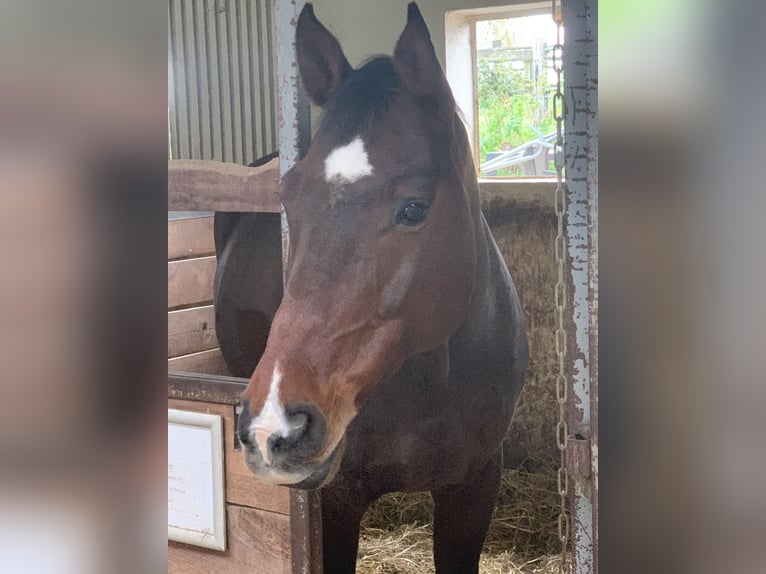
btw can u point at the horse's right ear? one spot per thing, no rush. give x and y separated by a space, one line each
418 67
321 61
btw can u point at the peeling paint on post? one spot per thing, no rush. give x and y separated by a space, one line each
592 175
294 113
581 141
294 118
294 137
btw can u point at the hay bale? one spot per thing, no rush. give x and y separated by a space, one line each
525 229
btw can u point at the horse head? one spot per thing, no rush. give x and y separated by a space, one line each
383 217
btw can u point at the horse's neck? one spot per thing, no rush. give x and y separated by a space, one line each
494 320
484 297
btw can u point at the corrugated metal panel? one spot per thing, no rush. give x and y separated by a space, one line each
222 92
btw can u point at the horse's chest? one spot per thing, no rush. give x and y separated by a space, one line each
410 457
412 438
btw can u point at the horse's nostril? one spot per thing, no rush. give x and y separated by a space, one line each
300 423
290 435
276 444
304 437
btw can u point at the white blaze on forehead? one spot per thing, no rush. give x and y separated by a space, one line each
272 419
347 163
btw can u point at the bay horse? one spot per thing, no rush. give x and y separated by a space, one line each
397 354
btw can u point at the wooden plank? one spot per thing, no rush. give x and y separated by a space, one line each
201 185
210 362
242 486
190 237
191 331
257 542
190 281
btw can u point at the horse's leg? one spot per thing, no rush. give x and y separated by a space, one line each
342 512
461 519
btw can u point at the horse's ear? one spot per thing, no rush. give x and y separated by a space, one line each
415 60
322 64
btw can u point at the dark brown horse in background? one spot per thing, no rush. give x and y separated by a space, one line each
398 351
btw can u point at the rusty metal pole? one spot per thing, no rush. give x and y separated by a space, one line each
581 150
294 137
592 177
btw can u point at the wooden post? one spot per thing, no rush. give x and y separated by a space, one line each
294 137
580 62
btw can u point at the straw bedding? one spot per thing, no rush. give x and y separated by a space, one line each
396 530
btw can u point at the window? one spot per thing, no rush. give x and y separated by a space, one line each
499 66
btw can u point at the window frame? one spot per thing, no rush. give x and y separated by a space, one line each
461 64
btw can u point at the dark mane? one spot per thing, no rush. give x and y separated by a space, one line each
360 100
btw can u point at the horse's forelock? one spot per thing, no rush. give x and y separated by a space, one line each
363 98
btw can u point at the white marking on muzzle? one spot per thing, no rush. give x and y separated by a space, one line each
272 419
347 163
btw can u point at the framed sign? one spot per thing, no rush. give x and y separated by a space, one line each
196 510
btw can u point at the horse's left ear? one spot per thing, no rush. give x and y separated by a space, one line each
415 61
321 60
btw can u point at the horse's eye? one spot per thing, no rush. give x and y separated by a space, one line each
412 213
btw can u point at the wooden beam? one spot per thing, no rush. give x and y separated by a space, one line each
206 388
536 193
306 531
201 185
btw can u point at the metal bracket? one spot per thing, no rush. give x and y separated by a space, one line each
578 463
578 457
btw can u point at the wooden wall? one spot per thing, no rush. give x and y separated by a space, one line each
192 343
257 515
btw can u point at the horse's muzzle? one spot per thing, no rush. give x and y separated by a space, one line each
282 448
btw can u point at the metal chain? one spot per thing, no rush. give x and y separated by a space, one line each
562 430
